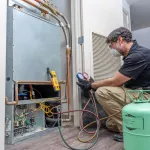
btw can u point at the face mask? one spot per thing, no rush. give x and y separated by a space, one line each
115 53
119 48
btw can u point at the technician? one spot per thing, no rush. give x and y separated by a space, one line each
133 74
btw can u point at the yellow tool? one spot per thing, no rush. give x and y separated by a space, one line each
54 79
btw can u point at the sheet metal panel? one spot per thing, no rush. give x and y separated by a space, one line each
36 46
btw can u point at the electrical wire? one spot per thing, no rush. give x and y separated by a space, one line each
38 92
46 109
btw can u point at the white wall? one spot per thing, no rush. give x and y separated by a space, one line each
2 69
99 16
142 36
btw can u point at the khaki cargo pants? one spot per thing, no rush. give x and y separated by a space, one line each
113 99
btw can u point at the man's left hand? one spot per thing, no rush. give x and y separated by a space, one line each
84 84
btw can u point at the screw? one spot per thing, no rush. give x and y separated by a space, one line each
8 78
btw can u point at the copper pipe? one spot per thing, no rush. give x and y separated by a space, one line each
53 10
15 102
68 53
37 82
34 5
34 82
16 97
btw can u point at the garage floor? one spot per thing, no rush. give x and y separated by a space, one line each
51 140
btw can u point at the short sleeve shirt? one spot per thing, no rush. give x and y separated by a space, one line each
137 67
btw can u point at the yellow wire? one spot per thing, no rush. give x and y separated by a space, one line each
46 109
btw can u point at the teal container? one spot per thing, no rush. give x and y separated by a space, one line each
136 125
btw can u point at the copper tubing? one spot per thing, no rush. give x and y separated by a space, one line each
37 82
68 53
15 102
53 10
34 5
16 97
34 82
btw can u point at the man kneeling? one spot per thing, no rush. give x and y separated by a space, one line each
133 74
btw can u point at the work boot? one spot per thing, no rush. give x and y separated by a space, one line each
118 137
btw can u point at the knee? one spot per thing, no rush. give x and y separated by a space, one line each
102 95
102 92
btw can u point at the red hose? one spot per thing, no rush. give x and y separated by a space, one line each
84 110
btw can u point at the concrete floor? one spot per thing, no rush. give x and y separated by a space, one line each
51 141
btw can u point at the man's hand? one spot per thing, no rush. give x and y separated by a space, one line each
84 84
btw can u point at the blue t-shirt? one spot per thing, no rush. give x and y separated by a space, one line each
137 67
